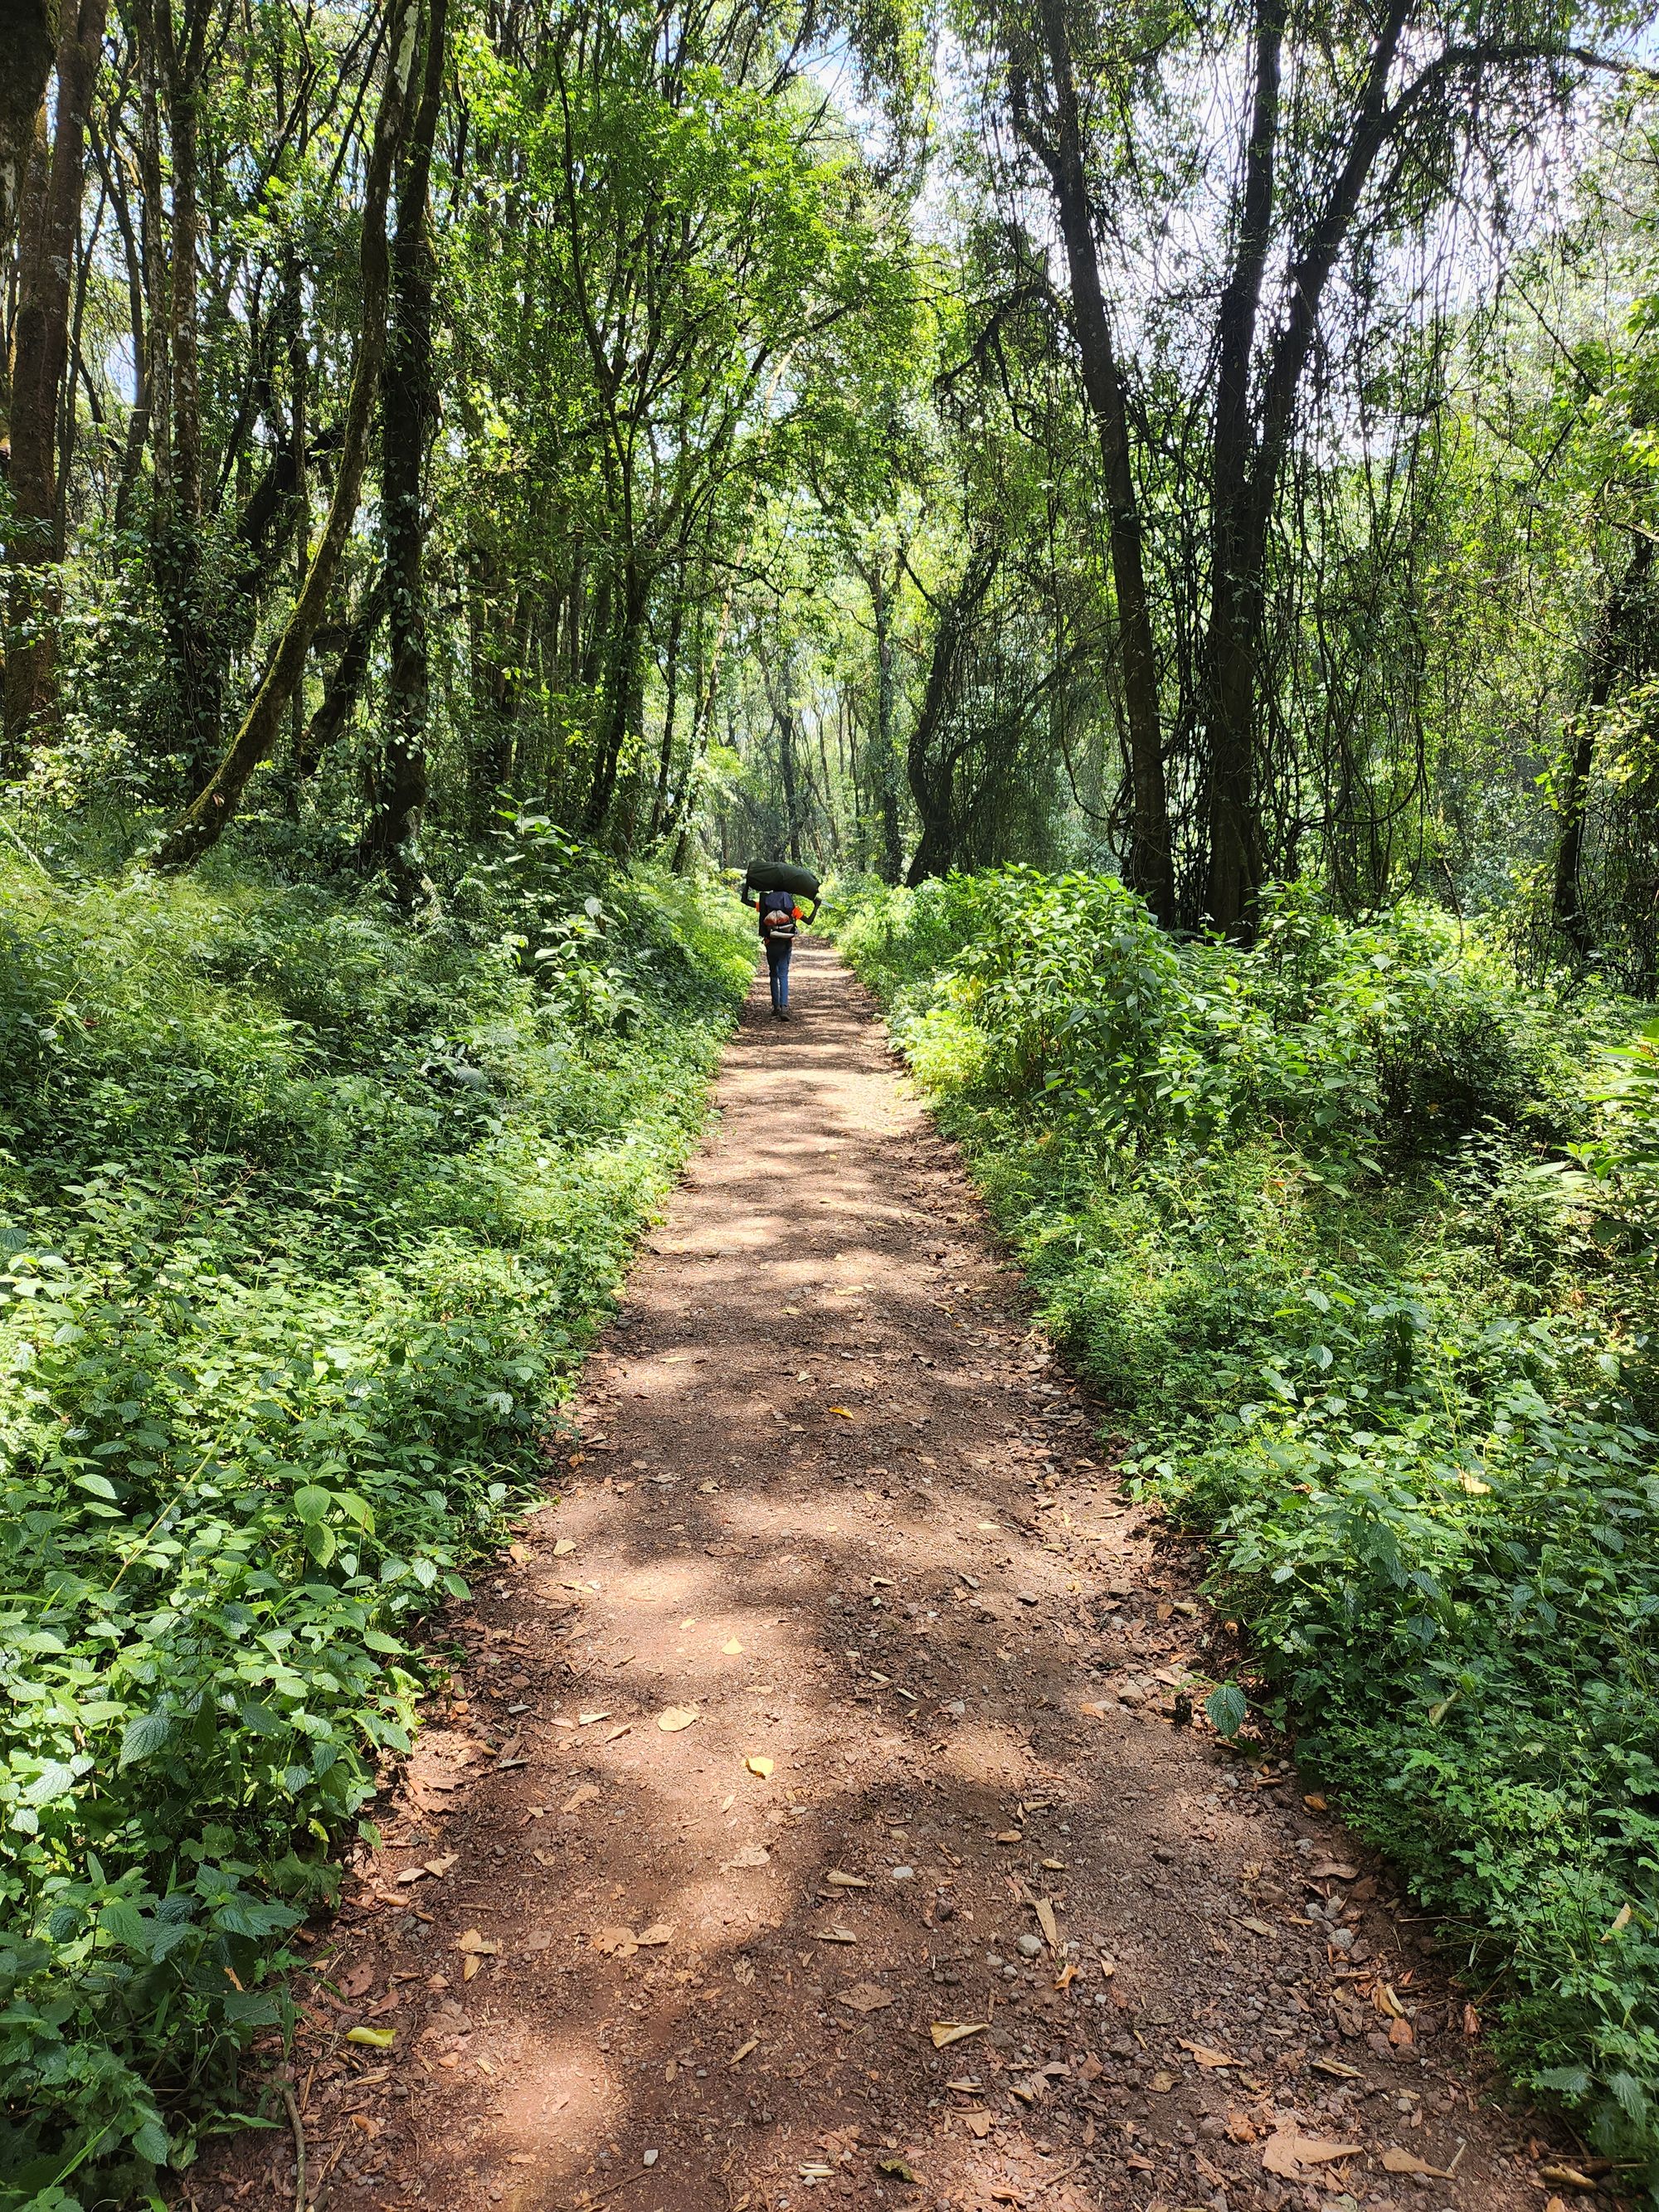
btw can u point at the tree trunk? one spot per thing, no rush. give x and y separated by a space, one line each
28 34
892 848
622 691
1151 864
409 411
40 354
1249 454
202 822
1628 608
1235 873
137 432
791 795
930 782
344 689
173 60
660 807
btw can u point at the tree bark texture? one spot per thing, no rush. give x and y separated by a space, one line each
28 38
887 783
409 412
40 354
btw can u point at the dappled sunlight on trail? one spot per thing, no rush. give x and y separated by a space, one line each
812 1812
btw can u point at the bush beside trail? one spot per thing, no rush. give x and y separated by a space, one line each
306 1218
1357 1237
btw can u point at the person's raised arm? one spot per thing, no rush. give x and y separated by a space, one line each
748 897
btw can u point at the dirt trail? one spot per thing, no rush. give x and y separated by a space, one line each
838 1504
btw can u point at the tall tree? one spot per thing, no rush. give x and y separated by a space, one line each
1048 117
202 822
28 38
409 411
48 246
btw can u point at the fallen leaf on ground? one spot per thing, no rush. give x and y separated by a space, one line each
613 1942
744 2049
412 1874
894 2169
1203 2055
677 1717
842 1411
1568 2174
977 2123
864 1996
836 1880
837 1935
752 1855
1287 2151
480 1946
564 1548
1011 1836
585 1796
946 2032
440 1867
731 1648
1332 1870
1314 1802
377 2039
1408 2161
587 1720
660 1931
1162 2082
1045 1913
1255 1927
763 1767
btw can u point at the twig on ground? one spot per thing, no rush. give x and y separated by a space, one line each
613 2188
298 2128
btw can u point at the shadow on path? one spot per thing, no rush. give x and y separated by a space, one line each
840 1508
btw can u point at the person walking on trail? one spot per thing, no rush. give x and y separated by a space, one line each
779 917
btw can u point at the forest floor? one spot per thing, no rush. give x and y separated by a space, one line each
813 1812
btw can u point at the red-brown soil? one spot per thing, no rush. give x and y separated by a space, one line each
838 1501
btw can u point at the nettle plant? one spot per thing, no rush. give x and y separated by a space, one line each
310 1220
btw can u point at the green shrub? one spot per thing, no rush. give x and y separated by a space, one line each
306 1218
1357 1238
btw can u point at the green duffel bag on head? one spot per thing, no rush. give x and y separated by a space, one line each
780 876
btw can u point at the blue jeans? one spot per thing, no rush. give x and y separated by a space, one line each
777 971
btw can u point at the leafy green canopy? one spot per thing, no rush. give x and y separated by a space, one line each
1359 1239
307 1220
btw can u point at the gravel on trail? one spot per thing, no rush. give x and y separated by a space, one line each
821 1814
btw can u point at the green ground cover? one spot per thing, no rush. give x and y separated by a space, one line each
1356 1238
306 1218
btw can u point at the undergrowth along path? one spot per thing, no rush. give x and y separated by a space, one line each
812 1812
